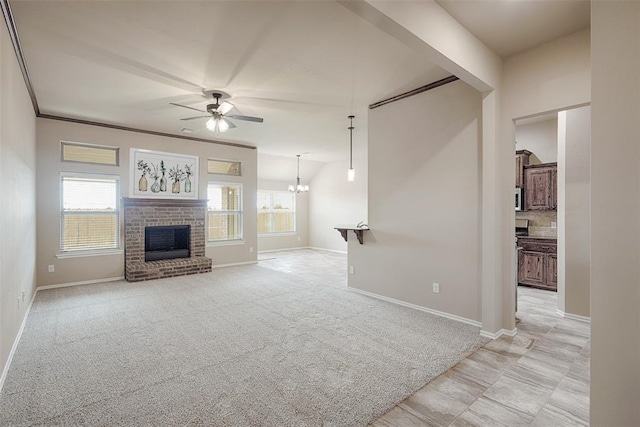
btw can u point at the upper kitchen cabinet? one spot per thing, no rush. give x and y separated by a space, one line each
540 187
522 160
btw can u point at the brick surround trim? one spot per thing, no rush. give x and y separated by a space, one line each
141 213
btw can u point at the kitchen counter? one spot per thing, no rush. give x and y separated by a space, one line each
538 237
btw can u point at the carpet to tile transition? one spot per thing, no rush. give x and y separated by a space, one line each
239 346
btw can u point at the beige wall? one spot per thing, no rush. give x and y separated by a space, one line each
541 138
615 214
18 202
300 238
432 32
334 201
549 78
71 270
424 202
577 215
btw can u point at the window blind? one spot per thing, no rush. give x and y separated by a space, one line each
90 214
224 211
89 153
276 212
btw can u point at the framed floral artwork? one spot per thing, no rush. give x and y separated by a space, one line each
159 175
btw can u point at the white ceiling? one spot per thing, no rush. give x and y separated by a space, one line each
303 66
511 26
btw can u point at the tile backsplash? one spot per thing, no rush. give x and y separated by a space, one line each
540 222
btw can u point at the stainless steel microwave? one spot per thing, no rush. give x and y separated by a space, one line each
519 203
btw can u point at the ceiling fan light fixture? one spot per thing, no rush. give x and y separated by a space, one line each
215 113
223 126
211 125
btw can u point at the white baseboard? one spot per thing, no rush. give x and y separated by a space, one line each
234 264
284 249
84 282
16 341
573 316
418 307
327 250
501 332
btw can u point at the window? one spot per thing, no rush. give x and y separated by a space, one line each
276 212
89 153
90 215
224 212
223 167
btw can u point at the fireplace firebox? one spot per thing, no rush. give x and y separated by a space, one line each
167 242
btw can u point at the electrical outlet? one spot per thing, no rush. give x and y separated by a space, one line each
298 238
52 268
352 270
251 249
23 295
436 288
554 225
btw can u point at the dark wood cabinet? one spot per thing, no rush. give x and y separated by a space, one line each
538 263
522 160
552 270
531 268
540 187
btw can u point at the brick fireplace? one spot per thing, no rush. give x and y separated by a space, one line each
142 213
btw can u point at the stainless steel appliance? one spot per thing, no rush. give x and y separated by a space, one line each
522 227
519 202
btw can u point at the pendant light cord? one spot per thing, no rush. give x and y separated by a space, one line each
351 142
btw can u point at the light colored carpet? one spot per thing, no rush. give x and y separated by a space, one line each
239 346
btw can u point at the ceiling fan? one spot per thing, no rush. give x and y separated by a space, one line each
217 113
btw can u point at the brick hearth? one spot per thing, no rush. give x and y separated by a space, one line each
141 213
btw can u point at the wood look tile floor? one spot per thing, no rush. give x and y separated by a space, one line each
540 377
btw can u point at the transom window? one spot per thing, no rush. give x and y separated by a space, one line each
276 212
90 214
89 153
224 212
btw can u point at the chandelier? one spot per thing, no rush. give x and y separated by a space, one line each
298 188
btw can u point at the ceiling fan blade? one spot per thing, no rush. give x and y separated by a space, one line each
229 122
196 117
225 107
185 106
247 118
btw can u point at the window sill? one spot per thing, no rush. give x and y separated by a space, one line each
82 254
225 243
274 234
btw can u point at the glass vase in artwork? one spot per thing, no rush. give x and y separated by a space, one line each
155 187
142 183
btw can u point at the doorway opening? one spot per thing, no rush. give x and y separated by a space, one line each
552 153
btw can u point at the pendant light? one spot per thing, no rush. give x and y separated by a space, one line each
298 188
351 173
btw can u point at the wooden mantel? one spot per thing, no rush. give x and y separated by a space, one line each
359 232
